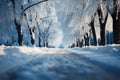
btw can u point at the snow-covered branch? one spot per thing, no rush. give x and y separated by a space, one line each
33 4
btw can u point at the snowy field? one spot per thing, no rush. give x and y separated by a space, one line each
32 63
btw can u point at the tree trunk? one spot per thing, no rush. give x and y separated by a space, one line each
20 36
86 38
102 26
116 27
18 26
119 27
40 42
102 34
81 43
93 31
31 35
39 34
30 30
116 22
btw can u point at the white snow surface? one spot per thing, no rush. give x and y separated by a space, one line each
33 63
21 55
109 55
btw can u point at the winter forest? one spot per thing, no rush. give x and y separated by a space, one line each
59 23
42 37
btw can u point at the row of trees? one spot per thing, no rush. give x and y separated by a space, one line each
43 34
41 27
115 13
104 8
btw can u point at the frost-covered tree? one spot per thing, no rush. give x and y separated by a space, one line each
78 21
93 32
45 23
18 22
102 20
113 7
31 30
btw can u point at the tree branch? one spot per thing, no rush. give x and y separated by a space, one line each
33 5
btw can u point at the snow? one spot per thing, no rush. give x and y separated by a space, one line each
108 55
33 63
20 55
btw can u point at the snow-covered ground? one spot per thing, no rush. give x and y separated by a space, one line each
109 55
32 63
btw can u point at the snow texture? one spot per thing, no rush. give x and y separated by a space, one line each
32 63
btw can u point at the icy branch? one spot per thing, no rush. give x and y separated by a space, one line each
33 4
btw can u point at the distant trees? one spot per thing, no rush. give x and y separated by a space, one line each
79 42
104 8
46 33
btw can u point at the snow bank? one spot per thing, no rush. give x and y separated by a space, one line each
108 55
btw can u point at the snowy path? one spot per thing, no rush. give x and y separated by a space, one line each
52 64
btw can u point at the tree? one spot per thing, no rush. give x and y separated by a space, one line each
17 24
102 22
116 22
46 34
39 32
93 31
45 30
115 13
30 30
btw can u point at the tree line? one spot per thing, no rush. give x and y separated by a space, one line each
104 8
43 35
